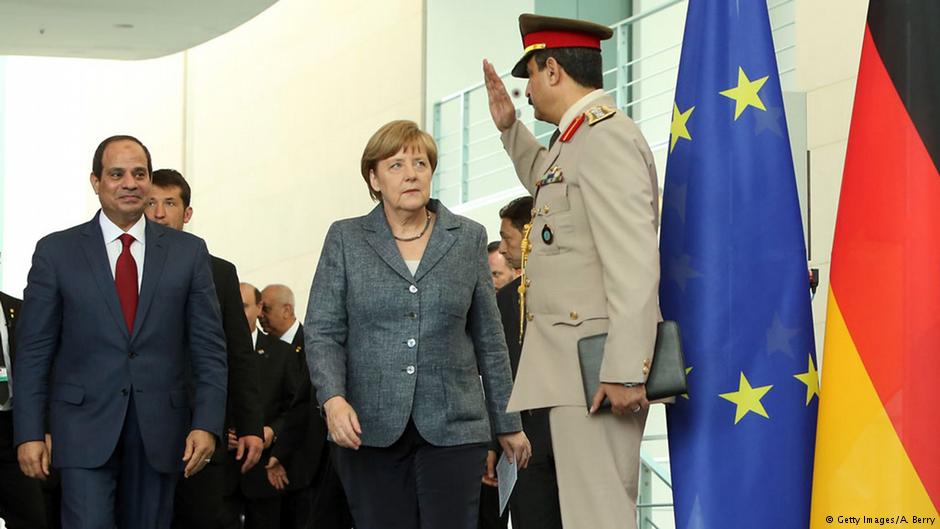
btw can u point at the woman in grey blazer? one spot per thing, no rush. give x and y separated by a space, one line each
401 328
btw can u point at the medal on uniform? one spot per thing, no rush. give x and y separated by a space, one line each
547 236
552 176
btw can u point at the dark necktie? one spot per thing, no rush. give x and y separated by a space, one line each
554 138
125 278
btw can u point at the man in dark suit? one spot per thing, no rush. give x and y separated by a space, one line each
534 501
199 500
280 377
21 498
315 497
115 312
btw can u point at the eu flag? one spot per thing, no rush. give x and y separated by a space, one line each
734 275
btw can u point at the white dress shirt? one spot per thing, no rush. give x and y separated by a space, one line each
291 333
113 243
254 339
7 361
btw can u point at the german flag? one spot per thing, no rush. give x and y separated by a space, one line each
878 442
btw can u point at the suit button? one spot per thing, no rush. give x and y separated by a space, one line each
545 210
574 315
534 211
528 282
413 289
410 370
411 342
132 354
124 392
412 315
530 316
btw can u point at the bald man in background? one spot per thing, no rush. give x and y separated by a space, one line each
315 496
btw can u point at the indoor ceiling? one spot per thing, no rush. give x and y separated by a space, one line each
117 29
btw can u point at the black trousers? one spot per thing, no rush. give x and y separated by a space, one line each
412 484
489 509
198 499
534 500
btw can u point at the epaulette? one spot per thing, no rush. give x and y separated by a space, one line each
599 113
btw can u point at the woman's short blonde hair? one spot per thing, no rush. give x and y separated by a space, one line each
388 140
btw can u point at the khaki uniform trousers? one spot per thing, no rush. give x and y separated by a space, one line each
597 462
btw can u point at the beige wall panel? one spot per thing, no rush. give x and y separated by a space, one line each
279 112
826 169
57 111
829 113
829 40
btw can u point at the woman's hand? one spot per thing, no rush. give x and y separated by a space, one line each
517 448
343 423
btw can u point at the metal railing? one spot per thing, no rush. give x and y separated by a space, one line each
640 74
654 482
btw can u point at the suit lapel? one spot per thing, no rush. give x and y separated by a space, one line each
10 308
442 239
379 237
97 256
154 260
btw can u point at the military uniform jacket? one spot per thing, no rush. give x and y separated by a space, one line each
594 262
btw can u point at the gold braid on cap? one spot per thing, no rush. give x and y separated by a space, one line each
526 247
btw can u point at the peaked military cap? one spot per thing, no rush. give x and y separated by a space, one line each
542 33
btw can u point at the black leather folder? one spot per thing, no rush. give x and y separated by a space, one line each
667 373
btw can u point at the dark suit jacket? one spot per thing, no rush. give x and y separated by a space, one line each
403 347
243 410
279 378
11 310
77 362
536 426
304 463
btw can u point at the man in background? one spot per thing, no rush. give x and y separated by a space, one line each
199 500
499 267
21 499
315 496
280 378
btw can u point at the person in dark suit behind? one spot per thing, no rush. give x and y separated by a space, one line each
315 496
280 377
115 311
500 269
21 498
199 500
534 500
402 312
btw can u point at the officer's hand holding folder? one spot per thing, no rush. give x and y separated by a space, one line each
667 374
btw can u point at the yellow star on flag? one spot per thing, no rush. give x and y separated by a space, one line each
687 371
678 128
747 399
745 94
811 379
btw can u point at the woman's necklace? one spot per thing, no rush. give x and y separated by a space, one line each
427 224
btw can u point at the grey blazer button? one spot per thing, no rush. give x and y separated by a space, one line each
410 370
411 342
413 289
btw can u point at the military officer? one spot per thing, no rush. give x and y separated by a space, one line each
592 265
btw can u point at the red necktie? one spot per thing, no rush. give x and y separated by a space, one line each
125 278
